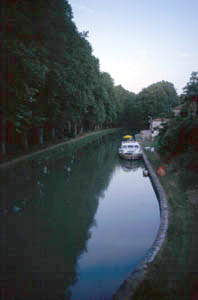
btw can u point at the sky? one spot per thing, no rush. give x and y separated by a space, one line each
140 42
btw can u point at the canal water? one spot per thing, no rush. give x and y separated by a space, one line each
75 227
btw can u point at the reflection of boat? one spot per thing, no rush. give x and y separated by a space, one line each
130 149
131 165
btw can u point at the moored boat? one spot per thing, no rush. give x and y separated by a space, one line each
130 149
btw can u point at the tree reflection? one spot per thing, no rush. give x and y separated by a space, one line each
51 231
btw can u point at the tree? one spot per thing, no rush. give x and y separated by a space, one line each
191 94
54 78
157 100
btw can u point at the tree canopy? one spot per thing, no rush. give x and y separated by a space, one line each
157 100
52 80
50 74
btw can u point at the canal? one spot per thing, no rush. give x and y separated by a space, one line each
75 228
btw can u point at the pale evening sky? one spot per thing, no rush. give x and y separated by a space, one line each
140 42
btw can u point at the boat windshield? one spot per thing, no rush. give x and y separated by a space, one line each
130 146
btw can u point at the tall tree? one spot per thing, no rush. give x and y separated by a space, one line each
191 94
157 100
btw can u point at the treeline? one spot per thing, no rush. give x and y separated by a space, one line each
157 100
178 140
51 84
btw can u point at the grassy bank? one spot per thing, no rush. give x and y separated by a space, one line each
65 148
170 276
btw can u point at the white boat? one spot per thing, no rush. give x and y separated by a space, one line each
130 149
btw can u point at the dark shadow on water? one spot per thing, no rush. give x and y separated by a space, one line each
55 216
47 211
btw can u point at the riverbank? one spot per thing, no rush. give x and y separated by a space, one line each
174 272
56 150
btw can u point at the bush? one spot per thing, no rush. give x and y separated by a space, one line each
178 136
179 140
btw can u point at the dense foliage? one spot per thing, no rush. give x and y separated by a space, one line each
179 137
157 100
126 101
50 76
52 86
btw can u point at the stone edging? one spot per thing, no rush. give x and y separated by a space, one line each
126 290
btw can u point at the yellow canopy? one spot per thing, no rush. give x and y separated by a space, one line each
127 136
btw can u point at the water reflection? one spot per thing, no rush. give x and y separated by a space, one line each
127 223
76 226
51 210
131 165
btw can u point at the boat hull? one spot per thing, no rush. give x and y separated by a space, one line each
130 156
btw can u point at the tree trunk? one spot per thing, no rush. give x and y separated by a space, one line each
4 63
194 109
75 129
69 126
41 135
3 294
81 129
26 146
3 134
53 132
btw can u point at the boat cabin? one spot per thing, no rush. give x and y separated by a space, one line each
127 146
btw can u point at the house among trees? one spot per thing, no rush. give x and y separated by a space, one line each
191 95
156 124
177 109
193 107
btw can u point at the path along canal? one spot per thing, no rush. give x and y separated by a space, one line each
76 227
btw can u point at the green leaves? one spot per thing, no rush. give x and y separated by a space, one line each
178 138
53 75
191 88
158 99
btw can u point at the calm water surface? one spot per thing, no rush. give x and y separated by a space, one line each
77 226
